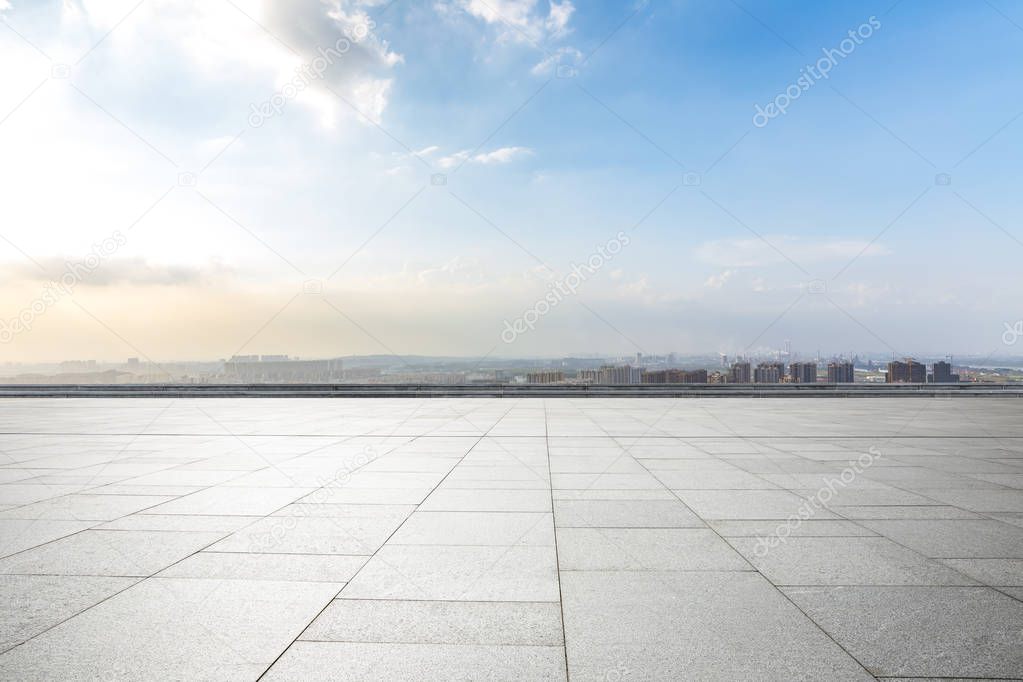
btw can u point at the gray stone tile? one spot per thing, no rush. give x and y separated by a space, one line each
34 603
394 480
438 622
184 476
86 507
623 514
746 504
476 528
27 493
324 568
846 497
363 661
808 528
17 535
966 538
981 500
605 481
867 512
1009 480
816 481
178 522
305 507
1015 518
921 477
646 549
108 552
592 494
362 533
227 501
457 573
1000 572
167 491
844 561
731 479
501 474
692 625
448 499
347 495
1015 592
921 631
182 628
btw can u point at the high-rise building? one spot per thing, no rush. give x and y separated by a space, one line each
545 376
908 371
675 376
739 373
769 373
608 374
803 372
942 373
624 374
841 373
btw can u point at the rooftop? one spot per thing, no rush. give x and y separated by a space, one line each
511 538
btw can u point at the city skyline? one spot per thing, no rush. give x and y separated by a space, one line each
350 177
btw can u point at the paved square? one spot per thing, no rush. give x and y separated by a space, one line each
511 539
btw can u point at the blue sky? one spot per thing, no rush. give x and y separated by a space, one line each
880 212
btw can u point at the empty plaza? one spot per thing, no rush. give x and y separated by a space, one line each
511 539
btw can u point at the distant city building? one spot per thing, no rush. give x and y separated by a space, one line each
942 373
906 371
769 373
78 366
279 369
545 376
841 373
675 376
608 374
739 373
803 372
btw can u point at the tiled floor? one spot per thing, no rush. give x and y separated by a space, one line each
516 539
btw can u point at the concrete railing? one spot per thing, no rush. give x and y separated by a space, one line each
508 390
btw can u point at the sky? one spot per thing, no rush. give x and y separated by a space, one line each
508 178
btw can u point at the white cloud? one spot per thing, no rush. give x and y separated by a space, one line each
460 270
717 281
753 252
557 20
497 156
567 56
502 155
523 20
453 160
242 41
